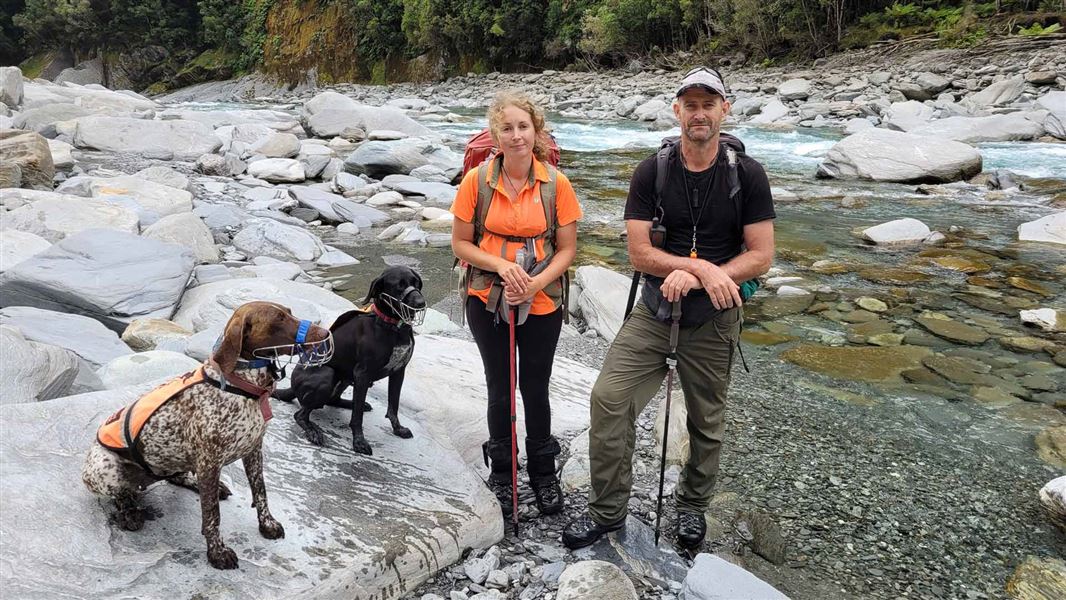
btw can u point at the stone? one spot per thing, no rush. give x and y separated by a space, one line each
267 237
439 193
85 337
43 119
1038 579
1026 343
952 330
439 511
1055 122
30 151
109 275
11 90
185 229
972 130
31 371
1048 319
575 476
1051 445
277 170
151 201
883 155
1053 499
905 116
1050 229
165 176
633 549
997 94
145 367
794 89
603 299
899 231
712 578
772 111
478 569
871 304
166 140
379 158
595 580
146 334
16 246
857 363
276 145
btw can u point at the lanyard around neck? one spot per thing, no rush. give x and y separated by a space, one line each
695 200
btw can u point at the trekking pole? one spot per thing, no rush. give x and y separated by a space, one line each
671 366
520 259
633 292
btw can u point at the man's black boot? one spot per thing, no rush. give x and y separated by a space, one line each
691 527
497 454
584 531
542 477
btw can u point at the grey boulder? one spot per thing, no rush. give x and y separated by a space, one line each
31 372
884 155
380 158
712 578
86 337
108 275
267 237
166 140
31 153
994 128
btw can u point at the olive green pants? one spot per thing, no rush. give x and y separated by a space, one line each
632 373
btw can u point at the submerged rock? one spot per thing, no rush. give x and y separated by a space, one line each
863 363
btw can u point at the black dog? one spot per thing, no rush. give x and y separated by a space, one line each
368 346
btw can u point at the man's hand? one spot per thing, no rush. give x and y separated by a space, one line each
724 293
677 284
514 277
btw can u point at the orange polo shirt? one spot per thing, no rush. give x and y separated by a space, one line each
521 218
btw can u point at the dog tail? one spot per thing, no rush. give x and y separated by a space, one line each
285 395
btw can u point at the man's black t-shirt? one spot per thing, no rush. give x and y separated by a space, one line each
687 198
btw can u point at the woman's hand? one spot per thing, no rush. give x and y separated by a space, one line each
514 297
514 276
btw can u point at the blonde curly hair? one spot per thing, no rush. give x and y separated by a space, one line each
523 102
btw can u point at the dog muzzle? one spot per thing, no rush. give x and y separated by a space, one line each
402 309
308 354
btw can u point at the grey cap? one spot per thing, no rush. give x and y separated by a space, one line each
703 78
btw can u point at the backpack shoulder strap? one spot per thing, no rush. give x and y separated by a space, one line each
547 198
734 187
486 185
662 170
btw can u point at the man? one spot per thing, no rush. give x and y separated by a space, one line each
709 251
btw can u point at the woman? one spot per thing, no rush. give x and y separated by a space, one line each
516 187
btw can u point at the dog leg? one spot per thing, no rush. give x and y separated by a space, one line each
312 432
359 443
253 468
218 554
395 385
188 481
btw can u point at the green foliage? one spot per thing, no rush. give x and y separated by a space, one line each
222 23
1037 29
902 14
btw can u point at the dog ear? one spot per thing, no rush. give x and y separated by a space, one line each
375 289
232 342
419 278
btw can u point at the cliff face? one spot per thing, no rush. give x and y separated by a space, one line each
305 35
302 36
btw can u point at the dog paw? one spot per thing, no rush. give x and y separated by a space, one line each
361 446
271 529
222 558
315 436
223 491
367 407
131 519
403 432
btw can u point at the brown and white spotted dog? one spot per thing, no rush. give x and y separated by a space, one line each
202 428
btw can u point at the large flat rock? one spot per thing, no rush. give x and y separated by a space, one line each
84 336
166 140
884 155
111 276
355 526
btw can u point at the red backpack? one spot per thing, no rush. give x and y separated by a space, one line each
481 147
